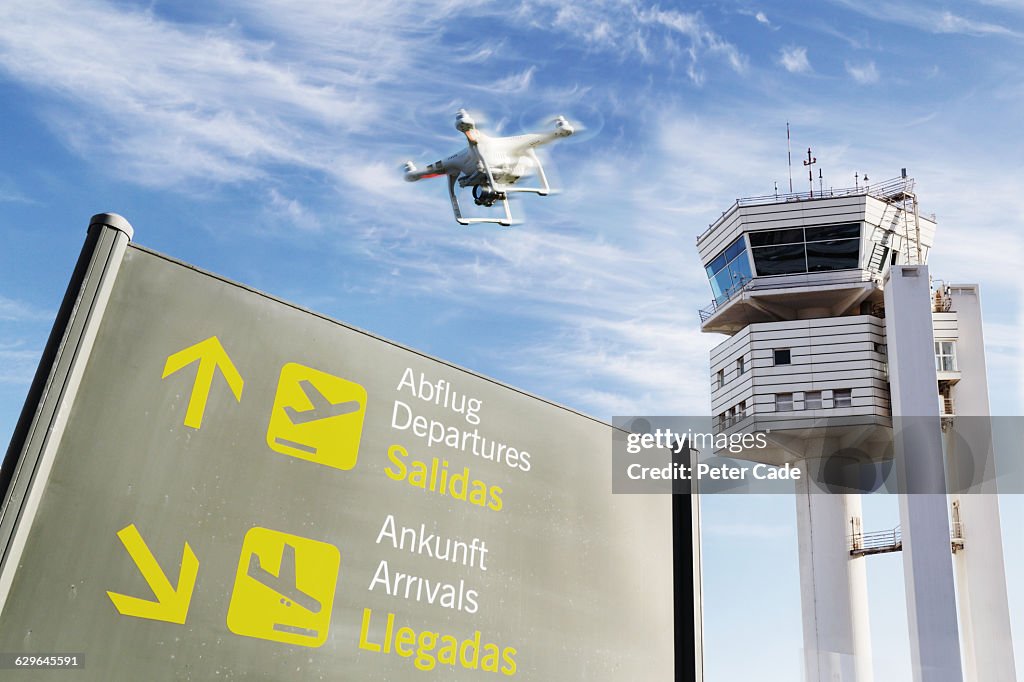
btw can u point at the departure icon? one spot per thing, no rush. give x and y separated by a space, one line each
284 588
317 417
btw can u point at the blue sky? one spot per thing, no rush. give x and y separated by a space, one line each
263 140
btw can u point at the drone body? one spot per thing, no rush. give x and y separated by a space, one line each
491 166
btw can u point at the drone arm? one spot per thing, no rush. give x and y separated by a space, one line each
562 129
412 174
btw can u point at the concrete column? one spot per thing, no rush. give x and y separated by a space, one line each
833 587
927 561
979 566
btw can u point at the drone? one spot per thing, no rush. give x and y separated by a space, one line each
491 166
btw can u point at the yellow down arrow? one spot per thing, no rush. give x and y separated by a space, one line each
210 355
171 603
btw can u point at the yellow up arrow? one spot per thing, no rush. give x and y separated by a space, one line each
210 355
171 603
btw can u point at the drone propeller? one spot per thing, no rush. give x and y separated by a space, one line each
540 117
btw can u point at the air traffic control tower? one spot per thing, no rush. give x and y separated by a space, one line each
837 338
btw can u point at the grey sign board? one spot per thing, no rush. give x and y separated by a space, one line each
215 484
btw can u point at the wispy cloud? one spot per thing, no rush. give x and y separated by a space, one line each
9 193
12 310
760 17
634 29
173 102
516 82
17 364
947 22
864 74
925 17
293 212
794 59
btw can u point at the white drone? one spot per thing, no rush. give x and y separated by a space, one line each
491 166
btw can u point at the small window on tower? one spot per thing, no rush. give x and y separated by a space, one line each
720 378
842 397
782 356
812 400
783 402
945 356
739 366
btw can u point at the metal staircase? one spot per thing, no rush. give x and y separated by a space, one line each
878 252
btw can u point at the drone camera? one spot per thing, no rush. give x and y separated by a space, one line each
486 196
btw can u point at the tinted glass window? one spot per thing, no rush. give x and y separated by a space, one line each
844 231
769 237
781 356
720 284
736 249
740 269
780 260
838 254
729 270
717 265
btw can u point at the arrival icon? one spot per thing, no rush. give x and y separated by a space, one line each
284 588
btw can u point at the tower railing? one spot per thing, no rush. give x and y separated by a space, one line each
884 541
893 190
876 542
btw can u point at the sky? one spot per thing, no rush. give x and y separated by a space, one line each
263 140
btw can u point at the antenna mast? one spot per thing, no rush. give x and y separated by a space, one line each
810 175
789 158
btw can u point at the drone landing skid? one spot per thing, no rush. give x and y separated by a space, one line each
506 221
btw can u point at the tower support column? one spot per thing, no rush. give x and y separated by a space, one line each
927 560
979 565
833 587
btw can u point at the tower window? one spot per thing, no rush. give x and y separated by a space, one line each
783 402
740 366
842 397
720 378
782 356
813 249
812 400
729 271
945 356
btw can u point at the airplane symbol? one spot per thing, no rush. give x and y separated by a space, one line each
322 407
284 584
284 588
317 417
